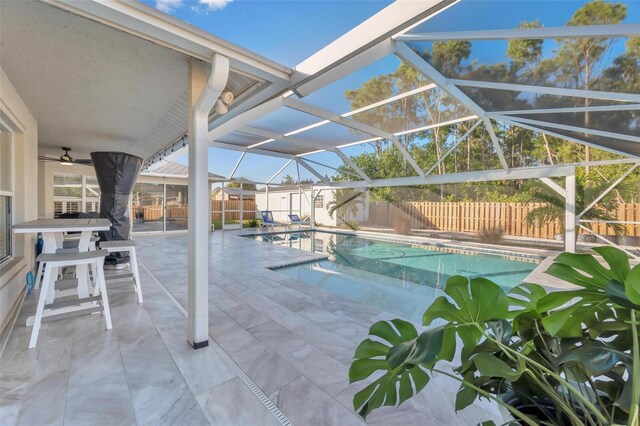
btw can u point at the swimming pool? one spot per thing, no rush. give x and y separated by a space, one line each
401 278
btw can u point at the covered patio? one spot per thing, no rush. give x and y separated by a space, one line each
279 351
224 337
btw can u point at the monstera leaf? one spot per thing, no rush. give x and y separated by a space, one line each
403 356
602 290
525 297
585 271
632 286
594 356
476 301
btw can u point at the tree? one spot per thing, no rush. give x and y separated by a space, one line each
587 54
246 184
290 180
345 204
554 208
523 63
525 52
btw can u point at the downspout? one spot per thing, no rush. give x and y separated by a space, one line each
207 93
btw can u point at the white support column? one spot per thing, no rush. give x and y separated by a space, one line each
241 204
570 213
312 209
210 207
223 207
203 92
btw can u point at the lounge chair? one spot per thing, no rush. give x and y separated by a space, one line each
267 220
295 220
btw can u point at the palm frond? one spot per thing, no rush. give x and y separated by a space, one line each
543 215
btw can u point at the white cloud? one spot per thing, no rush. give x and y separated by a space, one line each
205 6
168 6
215 4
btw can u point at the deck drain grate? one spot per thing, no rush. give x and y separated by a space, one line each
262 397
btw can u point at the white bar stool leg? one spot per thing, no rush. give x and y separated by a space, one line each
133 262
39 275
101 285
49 281
50 292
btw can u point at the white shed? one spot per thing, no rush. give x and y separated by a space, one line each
292 199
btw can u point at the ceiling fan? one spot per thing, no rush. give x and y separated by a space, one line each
66 159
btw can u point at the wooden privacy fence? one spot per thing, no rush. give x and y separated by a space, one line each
154 213
232 209
473 217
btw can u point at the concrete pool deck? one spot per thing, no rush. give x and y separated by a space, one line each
294 341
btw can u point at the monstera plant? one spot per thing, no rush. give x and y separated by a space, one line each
560 358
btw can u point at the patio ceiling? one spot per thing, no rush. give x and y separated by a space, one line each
313 117
108 79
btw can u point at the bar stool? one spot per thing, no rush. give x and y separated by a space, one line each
68 245
117 246
65 309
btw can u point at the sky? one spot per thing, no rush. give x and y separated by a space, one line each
290 31
284 31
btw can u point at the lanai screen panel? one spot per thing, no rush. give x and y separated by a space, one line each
502 100
284 120
589 71
368 86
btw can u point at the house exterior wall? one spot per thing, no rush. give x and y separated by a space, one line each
17 117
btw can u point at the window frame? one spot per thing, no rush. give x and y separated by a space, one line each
10 194
82 201
319 200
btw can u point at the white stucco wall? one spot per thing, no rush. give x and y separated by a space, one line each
17 117
281 201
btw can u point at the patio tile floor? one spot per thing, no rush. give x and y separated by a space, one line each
294 341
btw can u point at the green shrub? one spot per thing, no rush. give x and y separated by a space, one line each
251 223
491 235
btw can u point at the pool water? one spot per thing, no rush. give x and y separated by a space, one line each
401 278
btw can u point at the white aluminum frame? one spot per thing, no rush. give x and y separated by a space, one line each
613 30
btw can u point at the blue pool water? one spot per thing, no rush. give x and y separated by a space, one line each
399 278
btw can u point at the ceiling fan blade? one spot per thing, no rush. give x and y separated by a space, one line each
83 161
43 158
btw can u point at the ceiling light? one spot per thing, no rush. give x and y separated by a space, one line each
220 107
227 97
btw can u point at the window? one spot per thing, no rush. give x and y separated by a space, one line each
73 193
177 207
147 207
6 193
318 245
319 201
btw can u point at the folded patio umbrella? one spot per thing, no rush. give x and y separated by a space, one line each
116 173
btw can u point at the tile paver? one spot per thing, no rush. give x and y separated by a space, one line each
293 340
